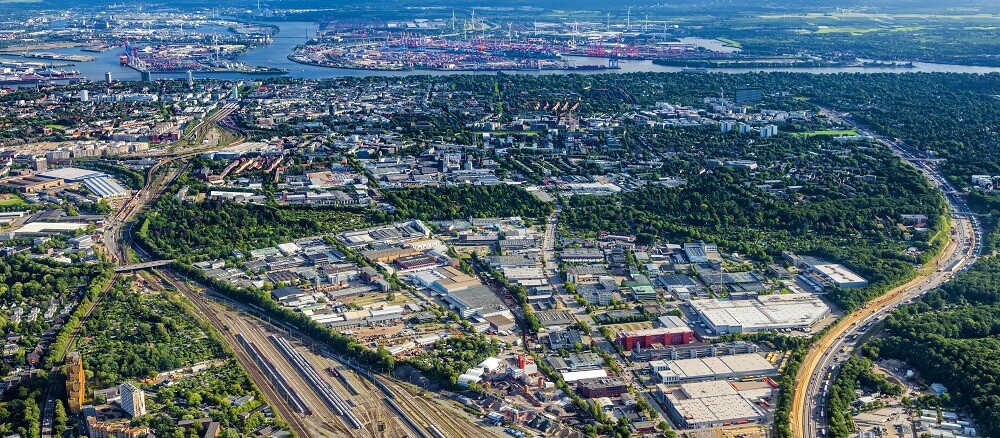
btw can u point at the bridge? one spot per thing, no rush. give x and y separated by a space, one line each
141 266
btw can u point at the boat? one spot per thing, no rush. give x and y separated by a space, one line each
21 79
587 67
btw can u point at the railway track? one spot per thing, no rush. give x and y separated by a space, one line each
332 397
248 363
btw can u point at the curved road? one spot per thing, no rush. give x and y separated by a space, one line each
808 417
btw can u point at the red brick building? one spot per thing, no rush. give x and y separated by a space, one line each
648 337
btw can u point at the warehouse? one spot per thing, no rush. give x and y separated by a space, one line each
31 184
105 188
476 300
736 366
708 404
830 273
71 174
766 312
582 255
43 229
839 275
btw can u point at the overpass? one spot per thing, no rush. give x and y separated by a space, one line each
141 266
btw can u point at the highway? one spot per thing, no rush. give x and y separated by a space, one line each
808 416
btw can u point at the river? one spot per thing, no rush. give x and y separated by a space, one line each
292 34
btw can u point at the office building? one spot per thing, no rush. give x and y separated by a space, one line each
602 387
748 95
648 337
107 77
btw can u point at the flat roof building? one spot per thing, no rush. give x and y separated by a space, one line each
44 229
476 300
692 351
708 404
765 312
602 387
573 376
648 337
582 255
735 366
31 184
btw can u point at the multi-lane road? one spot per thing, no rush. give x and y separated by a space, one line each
809 418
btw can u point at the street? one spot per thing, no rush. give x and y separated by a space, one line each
808 416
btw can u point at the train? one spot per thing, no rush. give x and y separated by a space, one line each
272 373
333 399
406 418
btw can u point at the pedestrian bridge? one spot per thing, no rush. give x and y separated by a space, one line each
141 266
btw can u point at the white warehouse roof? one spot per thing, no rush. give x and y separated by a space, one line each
762 313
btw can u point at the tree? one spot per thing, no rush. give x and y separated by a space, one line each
60 422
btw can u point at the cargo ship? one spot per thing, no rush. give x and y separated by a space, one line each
589 67
21 79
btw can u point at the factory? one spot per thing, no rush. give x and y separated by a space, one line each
765 312
711 404
736 366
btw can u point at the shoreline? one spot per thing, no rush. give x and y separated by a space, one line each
291 58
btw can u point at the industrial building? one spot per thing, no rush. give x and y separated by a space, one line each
692 351
735 366
819 273
476 300
98 183
708 404
31 184
104 187
765 312
648 337
582 255
43 229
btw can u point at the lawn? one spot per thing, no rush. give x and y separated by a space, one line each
10 199
730 43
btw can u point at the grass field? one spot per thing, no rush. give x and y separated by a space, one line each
9 199
730 43
856 31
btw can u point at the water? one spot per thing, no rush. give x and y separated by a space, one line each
292 34
713 45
